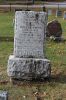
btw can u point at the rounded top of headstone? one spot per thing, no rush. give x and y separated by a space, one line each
54 28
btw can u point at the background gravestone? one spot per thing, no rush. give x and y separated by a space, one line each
28 61
54 29
49 12
64 16
58 13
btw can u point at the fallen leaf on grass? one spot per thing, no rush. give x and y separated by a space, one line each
40 94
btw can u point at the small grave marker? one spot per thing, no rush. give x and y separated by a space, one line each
64 16
49 12
58 13
3 95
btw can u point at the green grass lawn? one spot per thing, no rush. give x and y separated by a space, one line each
56 52
6 24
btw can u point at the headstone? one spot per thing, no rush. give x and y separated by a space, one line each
28 61
49 12
54 29
64 16
58 13
3 95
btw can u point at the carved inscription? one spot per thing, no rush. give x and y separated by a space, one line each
29 33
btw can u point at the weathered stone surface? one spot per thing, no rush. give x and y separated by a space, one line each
31 68
29 32
54 29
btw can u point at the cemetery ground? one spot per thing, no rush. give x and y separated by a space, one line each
55 89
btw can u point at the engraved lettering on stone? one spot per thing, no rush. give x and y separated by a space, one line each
31 34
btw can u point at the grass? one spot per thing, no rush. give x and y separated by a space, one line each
6 24
56 52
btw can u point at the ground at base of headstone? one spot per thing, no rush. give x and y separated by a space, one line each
21 82
57 39
28 69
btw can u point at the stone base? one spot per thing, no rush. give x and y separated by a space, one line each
28 68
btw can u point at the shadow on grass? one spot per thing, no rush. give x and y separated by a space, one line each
59 78
61 40
6 39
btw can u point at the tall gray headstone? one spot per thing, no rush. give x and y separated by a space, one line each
28 61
